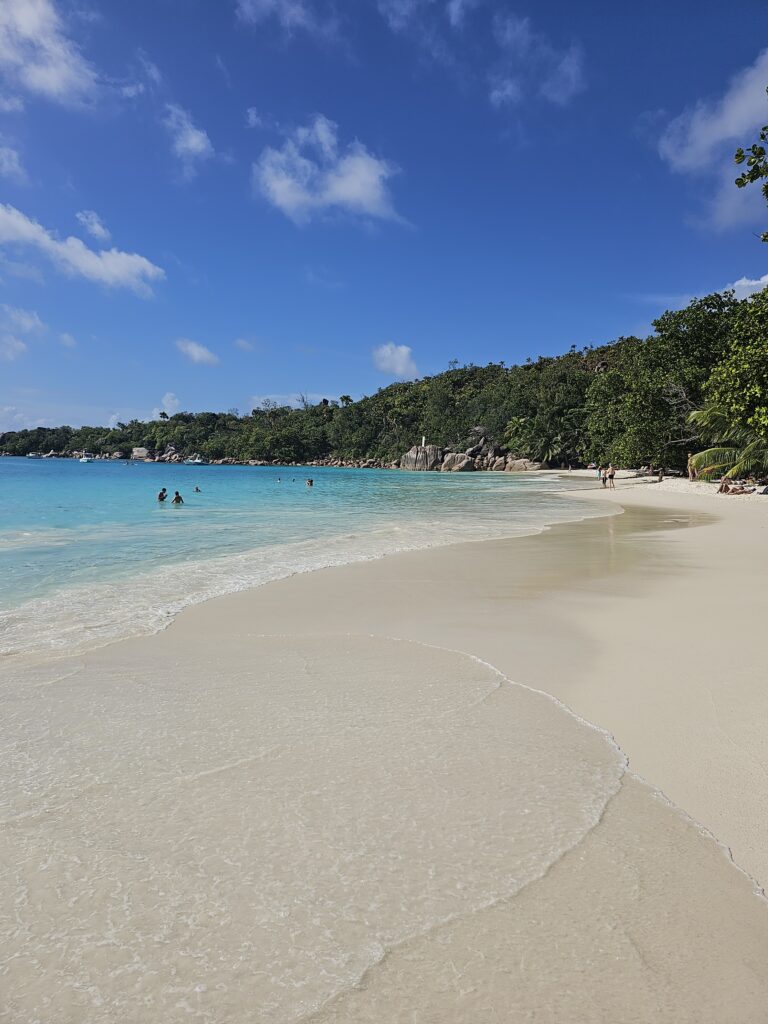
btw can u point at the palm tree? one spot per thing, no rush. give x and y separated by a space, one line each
737 450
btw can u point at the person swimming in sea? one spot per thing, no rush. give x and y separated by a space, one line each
177 499
162 495
310 483
197 490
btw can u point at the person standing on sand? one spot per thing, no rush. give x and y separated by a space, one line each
691 470
603 476
611 475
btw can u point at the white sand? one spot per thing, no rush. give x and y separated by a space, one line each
274 799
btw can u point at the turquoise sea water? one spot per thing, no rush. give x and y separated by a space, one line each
88 555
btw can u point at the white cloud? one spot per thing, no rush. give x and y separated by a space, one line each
169 404
25 321
290 14
746 286
68 340
694 140
110 267
243 344
36 54
13 322
11 104
253 118
94 225
13 418
189 143
396 360
702 139
566 77
131 91
532 64
457 11
196 353
400 13
11 165
311 175
11 347
505 92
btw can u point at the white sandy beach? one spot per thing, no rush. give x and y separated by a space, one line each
328 799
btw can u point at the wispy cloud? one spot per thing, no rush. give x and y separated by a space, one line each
321 278
25 321
243 344
311 174
196 353
94 225
189 143
11 104
531 65
400 14
37 55
110 267
458 10
395 360
14 322
11 347
11 166
290 15
13 418
701 140
169 404
68 340
253 118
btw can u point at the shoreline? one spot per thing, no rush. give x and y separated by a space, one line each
222 575
644 917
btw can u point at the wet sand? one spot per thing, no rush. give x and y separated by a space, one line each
330 799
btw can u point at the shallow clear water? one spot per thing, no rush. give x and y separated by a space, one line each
87 553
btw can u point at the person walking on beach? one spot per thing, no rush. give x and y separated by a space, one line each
603 476
611 475
177 499
162 495
691 470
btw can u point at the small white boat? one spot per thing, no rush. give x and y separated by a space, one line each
196 460
34 455
87 457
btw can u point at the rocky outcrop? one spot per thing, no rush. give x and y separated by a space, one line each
457 462
422 457
522 465
140 453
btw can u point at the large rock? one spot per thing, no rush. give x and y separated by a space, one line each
498 465
422 457
522 466
458 462
140 453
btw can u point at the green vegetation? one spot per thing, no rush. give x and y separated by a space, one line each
631 402
757 165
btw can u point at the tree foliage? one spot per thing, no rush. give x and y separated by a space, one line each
754 157
627 402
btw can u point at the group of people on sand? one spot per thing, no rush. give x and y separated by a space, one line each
607 475
732 487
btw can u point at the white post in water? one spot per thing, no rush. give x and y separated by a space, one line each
423 441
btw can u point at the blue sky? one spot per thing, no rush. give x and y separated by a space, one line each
206 202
